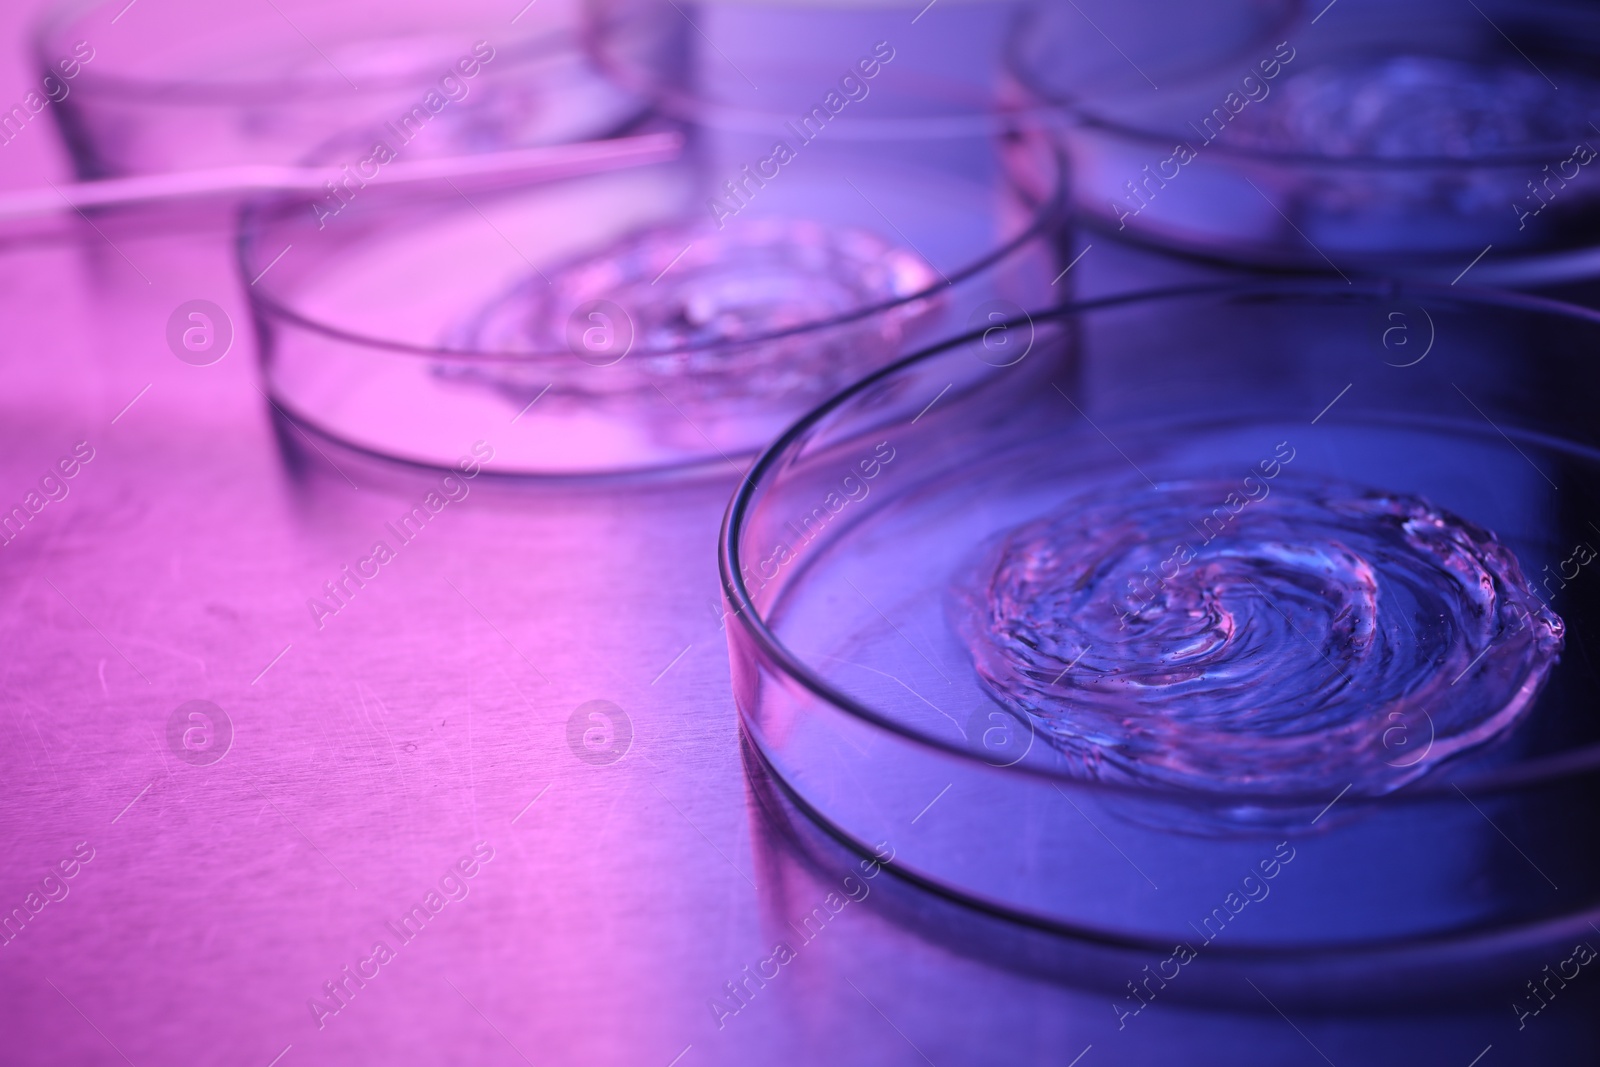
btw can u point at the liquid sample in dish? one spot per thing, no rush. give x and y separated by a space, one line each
727 313
1418 107
1207 635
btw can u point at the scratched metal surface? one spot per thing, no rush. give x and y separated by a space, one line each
373 753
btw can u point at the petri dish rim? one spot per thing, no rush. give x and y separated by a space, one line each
1524 774
1081 114
1266 157
1050 212
56 23
1521 157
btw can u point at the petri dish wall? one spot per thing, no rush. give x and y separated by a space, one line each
1348 732
651 316
905 70
189 85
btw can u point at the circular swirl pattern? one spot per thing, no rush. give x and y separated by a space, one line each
703 305
1286 640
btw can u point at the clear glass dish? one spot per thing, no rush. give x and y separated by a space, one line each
661 316
1385 838
190 85
894 71
1364 138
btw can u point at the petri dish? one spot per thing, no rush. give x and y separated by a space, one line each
1366 138
735 65
1312 744
1084 55
669 315
189 85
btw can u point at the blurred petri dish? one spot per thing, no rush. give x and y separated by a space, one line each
1350 725
895 71
191 85
673 315
1366 138
1099 52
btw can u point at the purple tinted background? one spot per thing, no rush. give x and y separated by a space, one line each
372 754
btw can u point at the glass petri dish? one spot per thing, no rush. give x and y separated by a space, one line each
1366 138
895 72
1104 53
190 85
664 316
898 568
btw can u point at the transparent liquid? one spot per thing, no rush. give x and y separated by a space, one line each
1288 635
885 611
698 310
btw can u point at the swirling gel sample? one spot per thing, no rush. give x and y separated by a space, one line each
1214 636
703 308
1417 107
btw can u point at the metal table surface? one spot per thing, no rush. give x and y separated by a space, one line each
422 726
